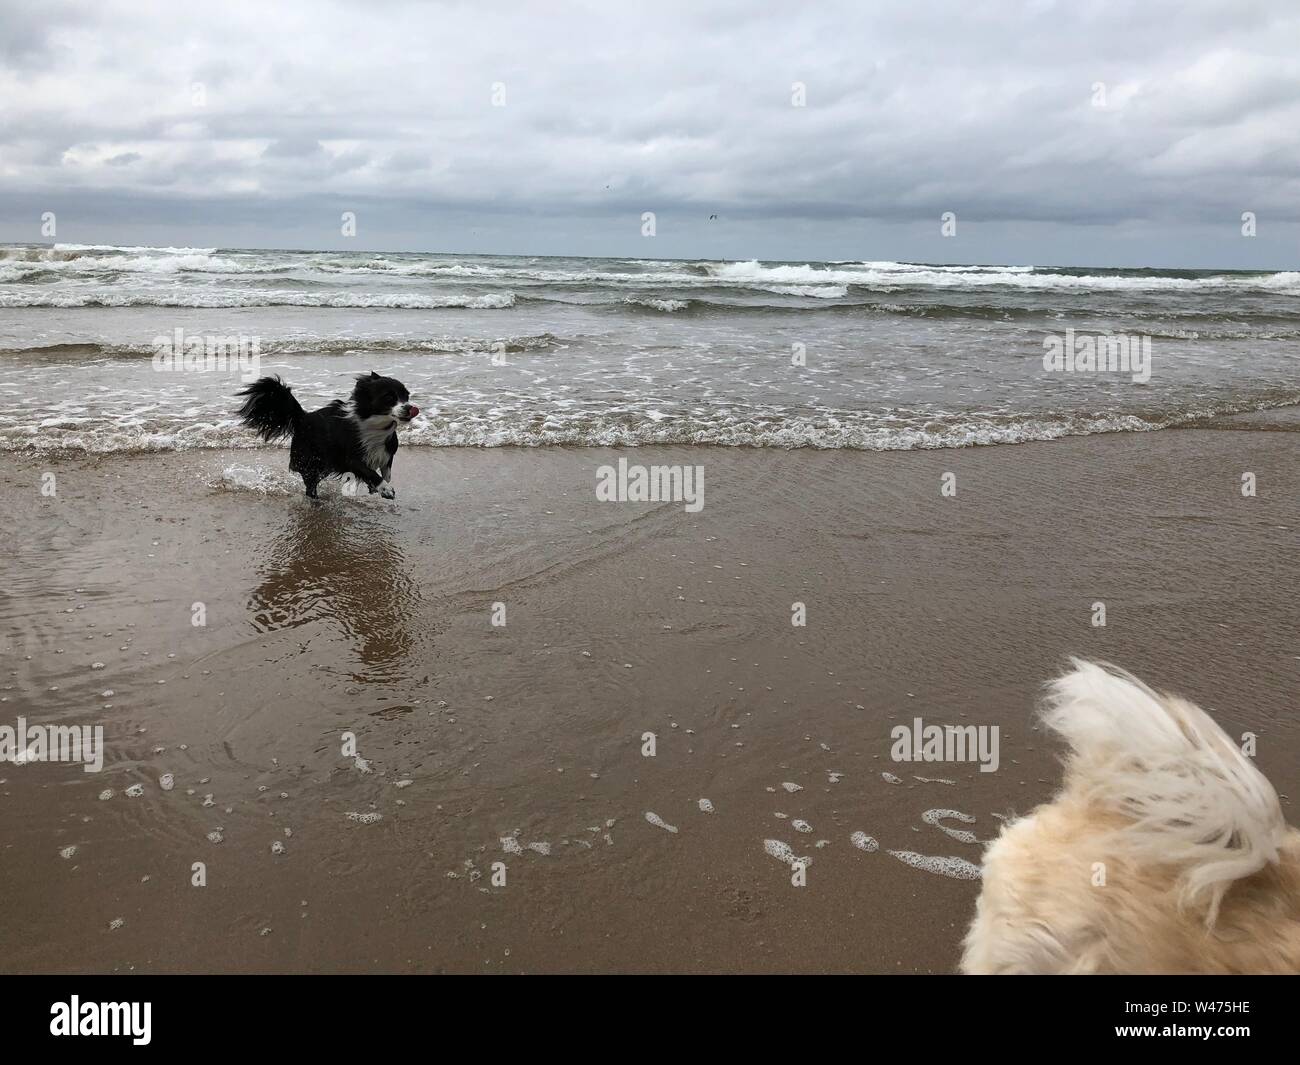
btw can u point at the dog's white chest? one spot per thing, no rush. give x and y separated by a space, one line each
374 441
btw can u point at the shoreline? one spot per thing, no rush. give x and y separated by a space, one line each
977 432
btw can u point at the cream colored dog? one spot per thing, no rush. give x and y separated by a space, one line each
1165 851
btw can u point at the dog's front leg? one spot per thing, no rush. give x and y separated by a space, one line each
369 476
386 488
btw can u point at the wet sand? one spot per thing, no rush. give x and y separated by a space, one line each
375 618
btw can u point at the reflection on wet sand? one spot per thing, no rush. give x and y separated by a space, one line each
337 566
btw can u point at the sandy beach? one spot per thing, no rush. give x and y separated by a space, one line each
523 743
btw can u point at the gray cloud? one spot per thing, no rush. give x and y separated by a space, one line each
1174 116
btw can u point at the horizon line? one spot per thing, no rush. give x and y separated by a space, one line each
644 258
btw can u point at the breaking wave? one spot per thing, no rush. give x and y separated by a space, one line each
272 298
753 427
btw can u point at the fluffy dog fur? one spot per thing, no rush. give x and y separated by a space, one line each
1202 874
357 436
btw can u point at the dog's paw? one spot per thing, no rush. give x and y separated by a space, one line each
388 491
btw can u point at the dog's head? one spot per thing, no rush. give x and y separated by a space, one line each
382 397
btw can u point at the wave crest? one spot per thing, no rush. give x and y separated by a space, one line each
275 298
756 427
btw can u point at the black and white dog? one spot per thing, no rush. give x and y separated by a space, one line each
356 436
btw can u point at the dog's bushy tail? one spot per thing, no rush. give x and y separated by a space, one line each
270 408
1193 799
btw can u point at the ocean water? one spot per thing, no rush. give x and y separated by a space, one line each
504 350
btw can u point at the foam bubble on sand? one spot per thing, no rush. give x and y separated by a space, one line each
934 780
135 790
364 819
890 778
935 819
659 822
510 845
215 837
791 788
541 847
67 852
782 853
167 782
864 842
361 765
116 923
706 807
833 777
404 783
800 826
277 847
956 868
107 793
777 849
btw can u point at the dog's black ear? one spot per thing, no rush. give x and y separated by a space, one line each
373 374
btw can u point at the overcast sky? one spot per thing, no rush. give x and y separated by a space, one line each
1072 132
